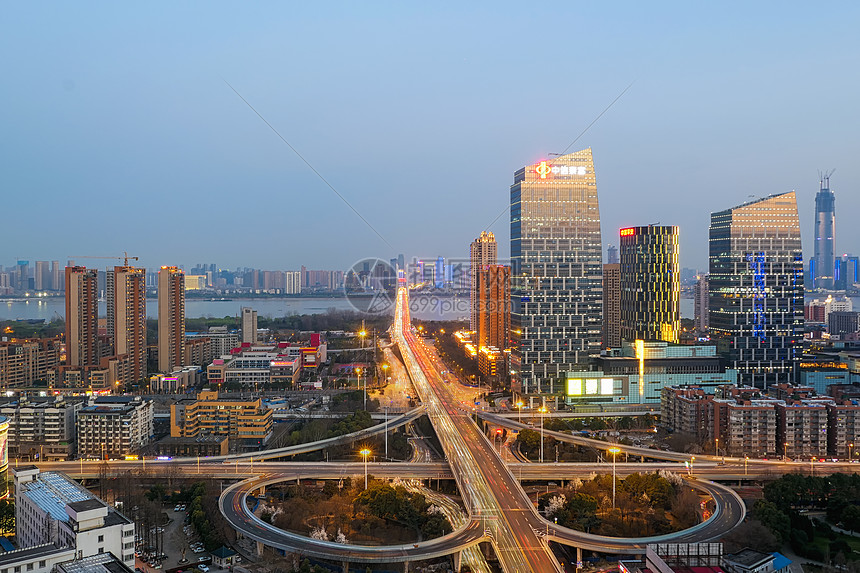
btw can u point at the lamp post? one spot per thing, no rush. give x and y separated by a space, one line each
716 446
613 451
812 466
365 452
746 459
851 452
785 452
358 371
542 412
520 412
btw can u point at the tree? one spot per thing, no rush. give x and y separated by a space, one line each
771 517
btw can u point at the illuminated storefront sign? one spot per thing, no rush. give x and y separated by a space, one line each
628 232
543 170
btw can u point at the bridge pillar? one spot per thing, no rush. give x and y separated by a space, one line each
346 567
260 548
458 559
406 567
263 490
579 557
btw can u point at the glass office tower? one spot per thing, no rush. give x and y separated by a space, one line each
821 267
756 288
556 259
650 284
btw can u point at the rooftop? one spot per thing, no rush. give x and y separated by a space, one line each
87 505
51 491
749 557
99 563
29 553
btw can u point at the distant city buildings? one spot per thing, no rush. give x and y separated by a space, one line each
482 252
756 288
556 259
82 311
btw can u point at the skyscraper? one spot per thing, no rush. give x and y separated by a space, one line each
249 325
700 303
494 319
482 252
41 276
650 284
125 291
82 315
171 318
612 255
556 259
756 288
56 283
821 267
612 304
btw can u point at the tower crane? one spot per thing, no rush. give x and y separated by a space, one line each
125 258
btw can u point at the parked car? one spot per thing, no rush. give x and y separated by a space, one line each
203 568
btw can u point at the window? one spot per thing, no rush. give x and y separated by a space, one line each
29 566
101 538
42 564
101 549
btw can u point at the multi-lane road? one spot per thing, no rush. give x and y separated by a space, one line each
490 492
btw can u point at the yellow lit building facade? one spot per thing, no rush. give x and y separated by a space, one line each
650 281
209 415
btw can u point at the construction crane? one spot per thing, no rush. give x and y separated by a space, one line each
125 258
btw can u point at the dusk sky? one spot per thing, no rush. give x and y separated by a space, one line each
119 133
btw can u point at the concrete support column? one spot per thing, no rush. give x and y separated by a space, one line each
260 548
406 567
346 567
458 559
579 557
263 491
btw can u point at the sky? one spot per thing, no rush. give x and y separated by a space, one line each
119 132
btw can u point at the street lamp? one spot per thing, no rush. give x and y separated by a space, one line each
716 446
613 451
360 379
812 466
785 452
542 411
850 452
365 452
746 459
520 414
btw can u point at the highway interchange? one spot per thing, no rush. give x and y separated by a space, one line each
499 511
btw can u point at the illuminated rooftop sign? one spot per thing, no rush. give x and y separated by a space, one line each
543 170
628 232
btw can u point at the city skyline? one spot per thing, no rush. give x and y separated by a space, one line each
93 118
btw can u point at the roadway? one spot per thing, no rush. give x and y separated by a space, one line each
490 492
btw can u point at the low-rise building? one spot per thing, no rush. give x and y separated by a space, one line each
843 428
27 361
42 429
114 426
177 381
221 340
801 428
36 559
202 446
637 373
197 351
688 410
51 508
245 422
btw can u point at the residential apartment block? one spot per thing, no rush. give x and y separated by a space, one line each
114 426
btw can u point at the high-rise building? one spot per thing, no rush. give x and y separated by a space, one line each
482 252
56 283
756 288
82 314
821 267
700 303
22 276
494 306
249 325
556 259
612 255
612 304
846 272
126 315
171 318
41 276
650 284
